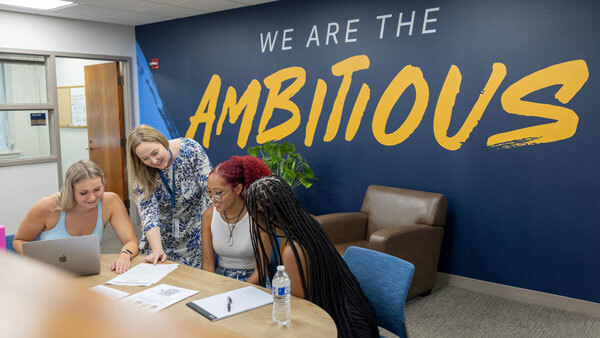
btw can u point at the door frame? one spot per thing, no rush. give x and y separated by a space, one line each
129 117
126 72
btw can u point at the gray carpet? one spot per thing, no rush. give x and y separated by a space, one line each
110 240
453 312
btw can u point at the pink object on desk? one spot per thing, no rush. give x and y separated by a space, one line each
2 238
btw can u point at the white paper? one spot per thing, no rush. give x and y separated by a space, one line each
159 297
109 292
143 274
78 109
242 300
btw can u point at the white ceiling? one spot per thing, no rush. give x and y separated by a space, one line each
138 12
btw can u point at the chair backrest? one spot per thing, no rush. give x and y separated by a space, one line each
385 280
9 245
389 207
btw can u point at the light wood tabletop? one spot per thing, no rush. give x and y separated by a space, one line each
41 301
308 320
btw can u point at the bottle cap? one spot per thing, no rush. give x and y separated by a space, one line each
280 268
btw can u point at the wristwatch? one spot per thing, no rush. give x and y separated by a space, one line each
127 251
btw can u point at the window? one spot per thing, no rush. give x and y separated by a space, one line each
5 137
28 134
24 110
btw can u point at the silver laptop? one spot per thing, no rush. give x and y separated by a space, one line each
79 255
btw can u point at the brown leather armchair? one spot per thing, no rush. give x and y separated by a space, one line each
405 223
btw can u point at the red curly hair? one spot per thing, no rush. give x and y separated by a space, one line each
242 170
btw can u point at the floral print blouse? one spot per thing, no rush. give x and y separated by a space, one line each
191 199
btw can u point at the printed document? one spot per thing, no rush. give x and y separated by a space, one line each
159 297
143 274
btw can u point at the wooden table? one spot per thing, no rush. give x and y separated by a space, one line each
308 320
40 301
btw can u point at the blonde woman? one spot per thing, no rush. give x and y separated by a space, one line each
169 187
82 207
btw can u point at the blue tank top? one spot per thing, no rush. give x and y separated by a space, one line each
60 230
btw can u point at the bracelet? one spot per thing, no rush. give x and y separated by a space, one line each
127 251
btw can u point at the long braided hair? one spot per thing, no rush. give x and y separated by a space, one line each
329 283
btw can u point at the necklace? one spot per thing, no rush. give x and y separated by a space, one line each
231 227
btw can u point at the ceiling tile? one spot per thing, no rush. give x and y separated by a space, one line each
208 5
173 11
128 5
137 12
89 11
75 17
20 9
132 18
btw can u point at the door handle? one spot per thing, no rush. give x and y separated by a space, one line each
90 147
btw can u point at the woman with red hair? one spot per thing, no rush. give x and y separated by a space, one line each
225 224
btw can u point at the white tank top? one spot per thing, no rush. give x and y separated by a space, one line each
238 256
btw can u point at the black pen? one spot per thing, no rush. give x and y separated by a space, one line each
228 304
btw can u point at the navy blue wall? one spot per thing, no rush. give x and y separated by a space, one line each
521 215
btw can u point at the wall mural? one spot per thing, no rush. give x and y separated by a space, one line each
571 76
493 104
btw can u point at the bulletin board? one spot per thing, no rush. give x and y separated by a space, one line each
71 107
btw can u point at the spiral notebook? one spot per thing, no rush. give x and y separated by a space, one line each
231 303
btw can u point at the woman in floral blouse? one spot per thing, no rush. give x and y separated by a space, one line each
169 186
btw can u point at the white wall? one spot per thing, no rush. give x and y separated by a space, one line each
69 71
22 186
73 146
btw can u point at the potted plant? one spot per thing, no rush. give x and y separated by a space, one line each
285 162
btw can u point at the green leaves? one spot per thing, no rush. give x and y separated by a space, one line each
285 162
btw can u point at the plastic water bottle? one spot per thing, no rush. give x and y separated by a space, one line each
281 297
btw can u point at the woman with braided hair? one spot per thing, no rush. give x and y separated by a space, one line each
316 271
225 224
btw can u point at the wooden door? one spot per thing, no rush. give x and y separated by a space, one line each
104 105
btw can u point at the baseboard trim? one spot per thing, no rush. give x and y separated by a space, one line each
522 295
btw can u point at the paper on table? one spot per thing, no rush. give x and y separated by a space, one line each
109 292
143 274
242 300
159 297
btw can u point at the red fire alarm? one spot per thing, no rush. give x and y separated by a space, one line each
154 63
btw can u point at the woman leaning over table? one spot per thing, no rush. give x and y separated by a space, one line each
82 207
316 271
169 178
225 224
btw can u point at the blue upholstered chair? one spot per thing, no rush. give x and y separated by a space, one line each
385 280
9 245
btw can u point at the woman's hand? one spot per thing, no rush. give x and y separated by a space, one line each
122 263
156 256
154 239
